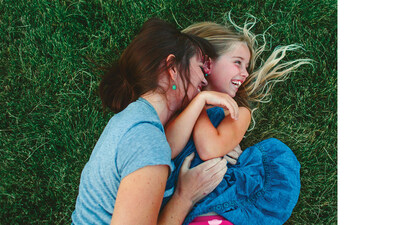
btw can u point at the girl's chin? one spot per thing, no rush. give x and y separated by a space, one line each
233 93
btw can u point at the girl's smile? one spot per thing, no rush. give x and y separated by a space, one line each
229 71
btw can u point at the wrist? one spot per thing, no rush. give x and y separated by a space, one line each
183 201
200 97
176 210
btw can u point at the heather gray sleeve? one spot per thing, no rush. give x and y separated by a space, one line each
143 145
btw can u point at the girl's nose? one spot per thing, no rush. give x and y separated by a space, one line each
245 74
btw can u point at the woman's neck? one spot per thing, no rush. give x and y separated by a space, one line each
159 102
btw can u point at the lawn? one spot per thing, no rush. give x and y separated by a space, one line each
51 115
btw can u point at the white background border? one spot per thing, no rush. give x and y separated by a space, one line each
369 112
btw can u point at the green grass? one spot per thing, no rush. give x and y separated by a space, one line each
51 116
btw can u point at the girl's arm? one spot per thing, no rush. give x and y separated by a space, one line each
214 142
179 129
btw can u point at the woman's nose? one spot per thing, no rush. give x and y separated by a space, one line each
204 82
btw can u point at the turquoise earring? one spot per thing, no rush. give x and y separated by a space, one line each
174 87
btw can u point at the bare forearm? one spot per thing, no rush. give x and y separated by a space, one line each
205 137
179 130
212 142
209 146
175 211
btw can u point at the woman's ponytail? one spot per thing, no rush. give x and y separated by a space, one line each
115 91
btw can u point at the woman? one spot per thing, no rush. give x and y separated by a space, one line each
124 179
264 186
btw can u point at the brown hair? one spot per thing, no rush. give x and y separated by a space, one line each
138 69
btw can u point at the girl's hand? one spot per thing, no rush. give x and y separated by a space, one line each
222 100
194 184
233 155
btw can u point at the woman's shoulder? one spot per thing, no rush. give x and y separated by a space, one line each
134 114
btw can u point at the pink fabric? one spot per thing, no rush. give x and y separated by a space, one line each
210 220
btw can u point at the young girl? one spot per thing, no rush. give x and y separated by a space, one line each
124 180
263 187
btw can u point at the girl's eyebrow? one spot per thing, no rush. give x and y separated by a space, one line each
240 57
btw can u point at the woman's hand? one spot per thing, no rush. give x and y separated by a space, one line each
222 100
233 155
194 184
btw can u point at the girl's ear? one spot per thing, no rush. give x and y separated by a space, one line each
208 64
171 67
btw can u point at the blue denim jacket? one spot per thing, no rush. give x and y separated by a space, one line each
262 188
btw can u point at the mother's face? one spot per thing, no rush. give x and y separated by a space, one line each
196 82
197 79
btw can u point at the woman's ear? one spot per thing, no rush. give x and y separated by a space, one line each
171 67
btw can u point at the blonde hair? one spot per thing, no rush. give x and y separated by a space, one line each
262 79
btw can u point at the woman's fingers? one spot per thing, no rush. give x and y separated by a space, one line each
199 181
217 178
230 160
221 165
215 175
186 163
208 164
238 149
233 155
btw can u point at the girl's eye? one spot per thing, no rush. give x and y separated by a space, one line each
238 62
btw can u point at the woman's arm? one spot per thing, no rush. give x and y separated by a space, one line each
214 142
140 195
179 129
193 185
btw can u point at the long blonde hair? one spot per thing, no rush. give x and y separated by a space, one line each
258 85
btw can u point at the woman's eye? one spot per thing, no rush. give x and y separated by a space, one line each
238 62
202 70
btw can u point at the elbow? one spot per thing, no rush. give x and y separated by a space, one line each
174 150
207 152
205 156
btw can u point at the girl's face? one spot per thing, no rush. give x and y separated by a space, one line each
229 71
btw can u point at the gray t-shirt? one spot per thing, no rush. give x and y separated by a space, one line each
132 139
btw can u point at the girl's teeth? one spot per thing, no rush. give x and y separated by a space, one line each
236 83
